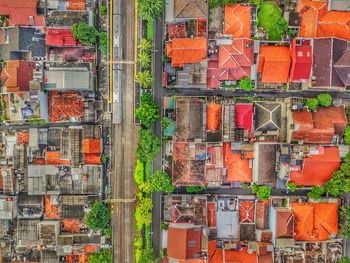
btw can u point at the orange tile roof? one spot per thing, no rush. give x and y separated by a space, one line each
315 221
54 158
70 225
215 255
50 210
186 50
237 20
274 64
23 137
317 169
316 21
213 116
76 5
92 158
65 105
238 169
92 146
17 75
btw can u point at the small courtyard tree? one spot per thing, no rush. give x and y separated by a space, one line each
316 192
148 112
161 181
151 9
144 78
104 255
263 192
246 84
324 99
84 33
312 104
98 217
344 216
144 59
148 146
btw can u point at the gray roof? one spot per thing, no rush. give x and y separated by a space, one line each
7 208
41 179
339 5
227 224
68 79
267 116
48 232
27 232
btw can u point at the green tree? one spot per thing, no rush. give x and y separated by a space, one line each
98 217
316 192
338 184
148 256
344 218
324 99
347 135
282 26
103 10
165 122
246 84
148 112
144 60
195 189
344 260
151 9
245 186
292 186
143 212
145 46
255 188
104 255
84 33
312 104
104 43
264 192
148 146
107 231
139 175
144 78
161 181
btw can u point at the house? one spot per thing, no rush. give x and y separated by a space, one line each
186 51
8 207
339 5
27 233
244 118
274 64
317 167
264 164
237 20
184 241
61 37
315 221
17 75
318 22
239 168
320 126
282 226
301 53
218 254
22 43
332 69
190 9
267 118
21 13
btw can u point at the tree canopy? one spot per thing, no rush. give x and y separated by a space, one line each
312 104
263 192
84 33
347 135
292 186
143 212
324 99
148 112
103 10
148 146
344 260
98 217
144 78
139 175
104 255
104 43
316 192
246 84
151 9
344 216
161 181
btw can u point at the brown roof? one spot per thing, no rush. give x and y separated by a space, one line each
17 75
284 223
342 68
191 8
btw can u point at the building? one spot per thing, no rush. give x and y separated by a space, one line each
61 37
17 75
282 226
274 64
301 53
322 126
190 9
331 70
238 20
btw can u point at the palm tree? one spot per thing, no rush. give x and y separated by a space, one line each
145 60
144 78
151 9
145 46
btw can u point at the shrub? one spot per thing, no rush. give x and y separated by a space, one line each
264 192
104 255
316 192
165 122
144 78
144 60
107 231
84 33
143 213
245 186
98 217
103 10
217 3
312 104
347 135
145 46
344 260
246 84
282 26
139 175
292 186
324 99
161 181
151 9
344 218
104 43
148 146
148 112
195 189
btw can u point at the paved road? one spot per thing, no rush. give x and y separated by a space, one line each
257 93
5 127
124 147
157 163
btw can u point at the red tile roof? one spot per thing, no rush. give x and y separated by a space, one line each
317 169
186 51
60 37
213 116
237 20
215 255
236 60
274 64
317 21
319 126
315 221
184 243
20 11
92 146
244 116
17 74
238 169
65 105
301 61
